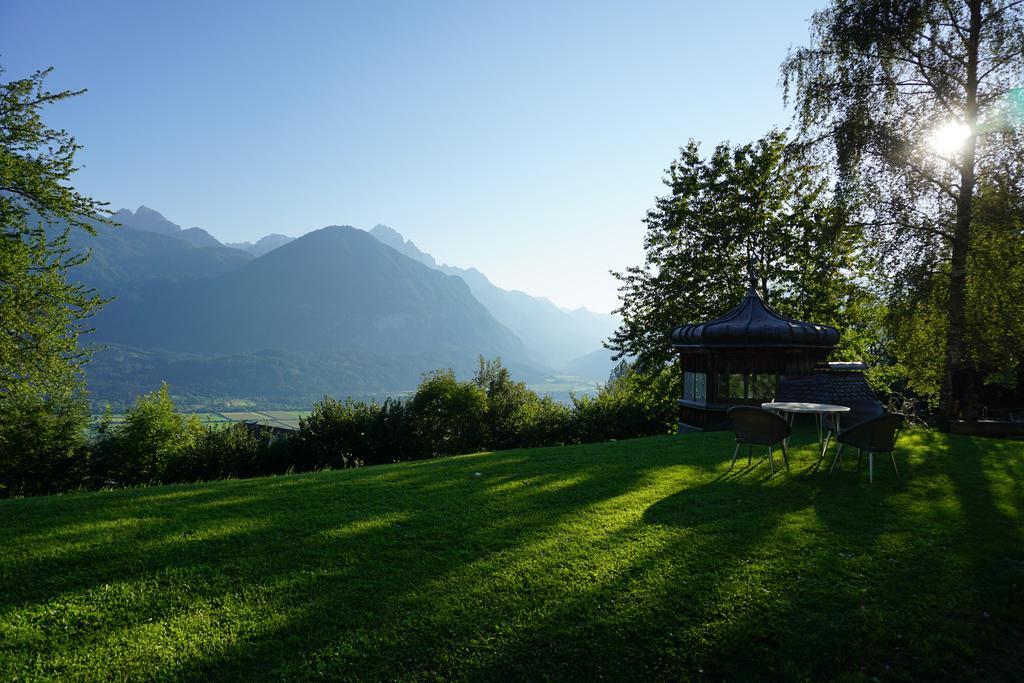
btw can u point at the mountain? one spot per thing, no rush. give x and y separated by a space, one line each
263 245
124 259
334 288
553 335
596 364
396 241
148 220
269 379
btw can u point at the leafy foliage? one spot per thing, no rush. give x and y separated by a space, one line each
156 444
878 83
42 444
758 204
141 450
43 313
235 451
448 415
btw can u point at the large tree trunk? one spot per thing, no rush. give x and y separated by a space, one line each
953 397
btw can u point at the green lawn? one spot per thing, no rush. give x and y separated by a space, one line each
638 559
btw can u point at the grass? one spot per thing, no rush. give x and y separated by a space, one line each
638 559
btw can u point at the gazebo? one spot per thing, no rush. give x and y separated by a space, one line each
742 358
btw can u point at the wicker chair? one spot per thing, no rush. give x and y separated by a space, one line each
759 427
877 435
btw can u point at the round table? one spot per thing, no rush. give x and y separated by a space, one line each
819 410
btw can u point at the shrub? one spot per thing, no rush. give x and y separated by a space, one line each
220 453
544 422
632 404
389 434
143 448
448 416
332 434
353 433
42 443
40 446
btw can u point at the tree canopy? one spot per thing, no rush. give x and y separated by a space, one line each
42 313
759 205
916 104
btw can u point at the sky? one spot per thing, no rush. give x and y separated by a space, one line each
526 139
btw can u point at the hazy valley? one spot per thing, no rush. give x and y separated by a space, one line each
283 321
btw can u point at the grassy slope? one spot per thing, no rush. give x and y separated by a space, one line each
633 559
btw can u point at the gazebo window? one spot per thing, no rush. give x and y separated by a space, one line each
695 386
762 386
732 385
745 386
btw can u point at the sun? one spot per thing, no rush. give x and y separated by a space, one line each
949 138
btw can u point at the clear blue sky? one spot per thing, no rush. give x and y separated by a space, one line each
525 139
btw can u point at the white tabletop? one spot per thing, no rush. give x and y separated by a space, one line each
806 407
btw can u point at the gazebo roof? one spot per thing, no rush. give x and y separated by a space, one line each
753 325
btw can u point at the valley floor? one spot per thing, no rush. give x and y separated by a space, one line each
637 559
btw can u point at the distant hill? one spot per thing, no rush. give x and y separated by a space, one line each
124 259
331 289
336 311
554 336
281 379
263 245
396 241
596 364
148 220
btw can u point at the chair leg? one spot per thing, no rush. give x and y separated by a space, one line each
771 461
871 467
750 455
734 454
892 456
835 460
785 456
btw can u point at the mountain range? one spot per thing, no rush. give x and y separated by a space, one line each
282 321
556 336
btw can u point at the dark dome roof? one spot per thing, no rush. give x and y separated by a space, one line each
753 324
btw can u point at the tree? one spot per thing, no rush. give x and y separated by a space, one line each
448 416
912 99
755 204
146 444
42 313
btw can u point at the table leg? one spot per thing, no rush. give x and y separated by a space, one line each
833 429
821 440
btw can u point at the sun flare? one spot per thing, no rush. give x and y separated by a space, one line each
949 138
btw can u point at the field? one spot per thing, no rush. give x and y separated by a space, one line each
276 418
560 388
636 559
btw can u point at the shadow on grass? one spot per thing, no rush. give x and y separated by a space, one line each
329 552
642 560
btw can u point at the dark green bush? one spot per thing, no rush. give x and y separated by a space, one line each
334 434
448 416
147 444
630 405
516 417
155 444
42 444
234 451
